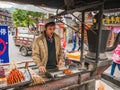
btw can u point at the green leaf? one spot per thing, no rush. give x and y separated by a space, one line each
22 17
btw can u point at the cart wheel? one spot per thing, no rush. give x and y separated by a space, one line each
24 51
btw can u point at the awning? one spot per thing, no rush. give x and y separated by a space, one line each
61 4
28 7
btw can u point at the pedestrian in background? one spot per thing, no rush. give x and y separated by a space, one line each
74 37
116 59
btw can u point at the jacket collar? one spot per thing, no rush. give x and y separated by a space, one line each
43 38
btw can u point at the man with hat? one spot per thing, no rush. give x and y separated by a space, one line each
46 51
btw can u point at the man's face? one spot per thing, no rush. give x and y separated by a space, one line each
50 31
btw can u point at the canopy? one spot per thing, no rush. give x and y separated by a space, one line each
69 6
29 7
109 4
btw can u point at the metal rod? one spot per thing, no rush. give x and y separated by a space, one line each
82 35
83 23
67 25
99 32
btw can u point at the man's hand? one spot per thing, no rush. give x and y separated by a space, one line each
60 63
42 69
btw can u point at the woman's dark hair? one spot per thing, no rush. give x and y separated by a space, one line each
49 24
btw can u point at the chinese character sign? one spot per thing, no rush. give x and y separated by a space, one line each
4 56
110 20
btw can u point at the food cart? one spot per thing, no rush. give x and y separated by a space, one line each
94 63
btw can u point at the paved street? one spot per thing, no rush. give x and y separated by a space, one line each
15 55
